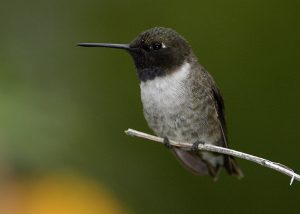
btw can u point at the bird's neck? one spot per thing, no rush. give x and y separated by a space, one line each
169 83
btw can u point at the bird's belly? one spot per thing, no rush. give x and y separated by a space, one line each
173 118
163 118
172 111
179 122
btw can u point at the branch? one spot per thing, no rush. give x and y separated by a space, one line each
211 148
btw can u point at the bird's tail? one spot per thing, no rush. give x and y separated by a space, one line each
232 167
193 162
197 165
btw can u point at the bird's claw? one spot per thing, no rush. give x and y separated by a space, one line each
167 143
195 146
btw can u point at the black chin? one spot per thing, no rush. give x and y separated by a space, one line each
146 74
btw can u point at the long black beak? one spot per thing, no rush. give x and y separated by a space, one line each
106 45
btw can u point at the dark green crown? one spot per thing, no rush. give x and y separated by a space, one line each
159 46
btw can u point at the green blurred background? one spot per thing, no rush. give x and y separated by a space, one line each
65 108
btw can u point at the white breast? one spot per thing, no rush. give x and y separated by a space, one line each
164 92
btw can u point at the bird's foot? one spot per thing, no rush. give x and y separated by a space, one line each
195 146
167 143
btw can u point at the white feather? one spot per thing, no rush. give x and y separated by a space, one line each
164 91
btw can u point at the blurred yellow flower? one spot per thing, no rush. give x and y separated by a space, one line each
61 194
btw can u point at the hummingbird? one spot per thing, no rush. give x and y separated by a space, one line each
181 100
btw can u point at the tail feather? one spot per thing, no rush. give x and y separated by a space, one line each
197 165
192 162
232 167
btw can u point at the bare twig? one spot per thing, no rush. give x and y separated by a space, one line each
211 148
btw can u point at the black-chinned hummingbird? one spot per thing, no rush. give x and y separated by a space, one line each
180 98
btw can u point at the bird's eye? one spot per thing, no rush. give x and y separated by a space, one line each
157 46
